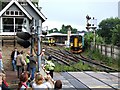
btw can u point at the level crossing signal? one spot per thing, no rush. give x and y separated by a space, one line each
23 39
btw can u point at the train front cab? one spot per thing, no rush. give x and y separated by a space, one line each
51 42
76 44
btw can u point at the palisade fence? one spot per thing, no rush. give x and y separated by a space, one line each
108 50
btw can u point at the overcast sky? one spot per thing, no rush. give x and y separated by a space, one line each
73 12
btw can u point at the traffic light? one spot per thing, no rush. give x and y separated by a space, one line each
23 39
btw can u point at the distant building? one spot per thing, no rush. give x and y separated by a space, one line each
119 9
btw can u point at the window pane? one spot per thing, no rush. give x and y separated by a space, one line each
12 12
8 25
7 12
16 12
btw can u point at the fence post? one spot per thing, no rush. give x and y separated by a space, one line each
111 51
105 50
101 49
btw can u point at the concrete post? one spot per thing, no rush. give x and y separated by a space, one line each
68 38
39 46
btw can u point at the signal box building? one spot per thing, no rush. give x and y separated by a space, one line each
19 16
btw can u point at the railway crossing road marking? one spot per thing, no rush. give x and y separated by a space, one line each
88 80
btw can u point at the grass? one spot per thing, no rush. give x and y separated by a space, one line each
75 67
96 55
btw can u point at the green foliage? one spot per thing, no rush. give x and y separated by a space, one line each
99 40
89 38
64 29
75 67
54 30
96 55
106 26
116 35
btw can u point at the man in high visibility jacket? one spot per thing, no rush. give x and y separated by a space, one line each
27 60
50 66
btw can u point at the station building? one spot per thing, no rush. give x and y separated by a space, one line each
60 38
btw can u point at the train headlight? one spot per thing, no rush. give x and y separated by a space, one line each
71 44
80 44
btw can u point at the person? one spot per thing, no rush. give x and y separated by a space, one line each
38 83
32 66
1 63
28 61
20 63
48 81
43 56
5 85
13 57
58 85
50 66
22 85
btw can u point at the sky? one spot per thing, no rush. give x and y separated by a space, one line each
73 12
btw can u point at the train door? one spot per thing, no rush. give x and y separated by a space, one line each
75 42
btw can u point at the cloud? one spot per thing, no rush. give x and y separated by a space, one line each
73 12
58 25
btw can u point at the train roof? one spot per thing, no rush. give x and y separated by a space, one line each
60 34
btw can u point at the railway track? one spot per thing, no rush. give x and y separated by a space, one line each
68 58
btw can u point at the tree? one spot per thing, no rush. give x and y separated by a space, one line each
64 29
89 39
53 30
106 27
116 35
